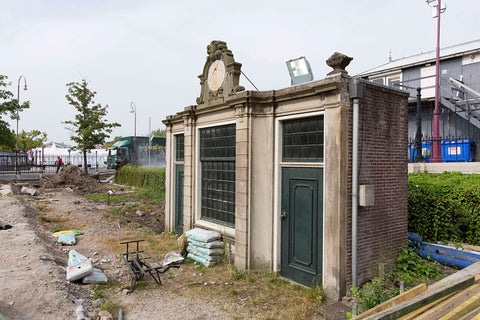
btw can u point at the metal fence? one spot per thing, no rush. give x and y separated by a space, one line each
11 163
457 149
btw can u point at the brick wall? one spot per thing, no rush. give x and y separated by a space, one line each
382 154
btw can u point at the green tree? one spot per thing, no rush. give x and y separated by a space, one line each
90 125
9 106
159 133
30 140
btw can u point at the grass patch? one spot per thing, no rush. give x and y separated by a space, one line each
103 197
99 292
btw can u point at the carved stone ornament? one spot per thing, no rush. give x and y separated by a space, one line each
221 74
338 61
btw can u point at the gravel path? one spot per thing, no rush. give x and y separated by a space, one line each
32 279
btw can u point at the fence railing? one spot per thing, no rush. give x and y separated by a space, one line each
11 163
452 150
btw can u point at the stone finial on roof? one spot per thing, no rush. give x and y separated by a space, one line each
338 61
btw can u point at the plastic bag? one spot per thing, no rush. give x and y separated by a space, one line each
172 258
67 238
75 232
202 235
182 244
97 276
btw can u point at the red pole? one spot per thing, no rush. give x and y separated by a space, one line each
436 143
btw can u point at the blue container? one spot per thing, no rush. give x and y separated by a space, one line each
425 152
460 150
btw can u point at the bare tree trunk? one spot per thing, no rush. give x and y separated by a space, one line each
85 161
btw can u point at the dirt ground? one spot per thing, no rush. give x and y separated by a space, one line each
33 281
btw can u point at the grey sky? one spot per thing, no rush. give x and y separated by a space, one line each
151 52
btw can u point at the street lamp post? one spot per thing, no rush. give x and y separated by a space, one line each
17 169
436 145
133 109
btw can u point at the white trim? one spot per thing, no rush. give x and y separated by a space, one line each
278 164
198 182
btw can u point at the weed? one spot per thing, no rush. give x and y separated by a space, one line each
236 274
44 218
55 228
110 306
116 211
316 293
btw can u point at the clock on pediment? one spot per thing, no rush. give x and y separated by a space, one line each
221 74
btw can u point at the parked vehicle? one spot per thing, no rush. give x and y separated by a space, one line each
140 151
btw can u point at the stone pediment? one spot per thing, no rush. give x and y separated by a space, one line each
221 74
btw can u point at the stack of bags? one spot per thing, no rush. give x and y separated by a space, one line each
204 246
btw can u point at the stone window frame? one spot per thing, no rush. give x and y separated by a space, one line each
198 220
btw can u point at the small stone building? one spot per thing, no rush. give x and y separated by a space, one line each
275 172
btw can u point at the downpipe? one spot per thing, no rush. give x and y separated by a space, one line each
356 91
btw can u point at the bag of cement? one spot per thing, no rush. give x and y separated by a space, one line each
202 235
75 257
205 251
97 276
79 270
209 245
67 238
206 261
172 258
79 266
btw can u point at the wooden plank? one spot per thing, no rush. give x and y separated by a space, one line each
422 299
418 312
463 309
415 291
473 269
477 317
447 305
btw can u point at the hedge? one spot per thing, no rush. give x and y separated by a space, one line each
143 177
445 207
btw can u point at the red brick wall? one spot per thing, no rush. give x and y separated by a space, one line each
382 155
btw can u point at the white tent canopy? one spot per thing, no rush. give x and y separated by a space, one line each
95 157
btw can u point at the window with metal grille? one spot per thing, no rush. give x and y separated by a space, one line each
303 140
217 158
179 147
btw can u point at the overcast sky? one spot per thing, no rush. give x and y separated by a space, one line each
151 52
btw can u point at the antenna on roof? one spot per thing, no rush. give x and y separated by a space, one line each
390 56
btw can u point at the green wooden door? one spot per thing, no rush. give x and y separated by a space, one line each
301 226
179 198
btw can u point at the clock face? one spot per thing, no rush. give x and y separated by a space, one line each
216 75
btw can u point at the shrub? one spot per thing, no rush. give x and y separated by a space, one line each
151 180
445 207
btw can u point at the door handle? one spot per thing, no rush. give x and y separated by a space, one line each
283 214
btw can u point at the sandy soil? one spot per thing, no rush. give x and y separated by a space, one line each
33 281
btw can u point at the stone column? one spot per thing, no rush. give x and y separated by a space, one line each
168 171
242 187
189 169
336 200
